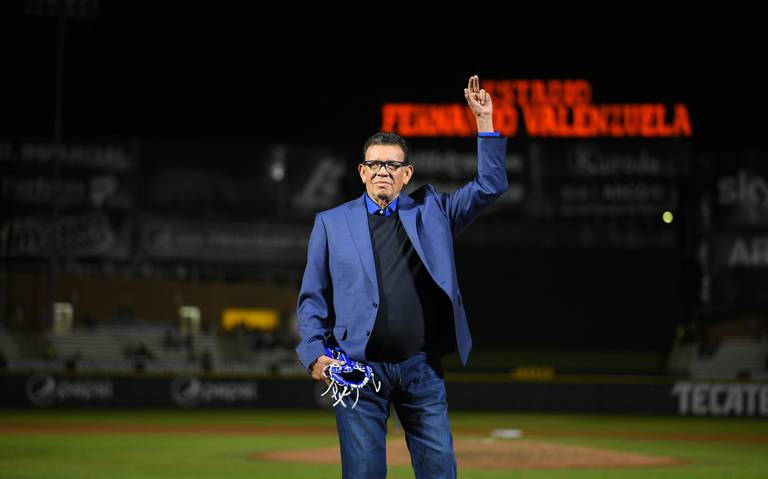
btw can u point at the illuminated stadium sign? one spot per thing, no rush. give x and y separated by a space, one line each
541 109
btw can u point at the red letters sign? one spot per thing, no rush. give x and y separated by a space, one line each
541 108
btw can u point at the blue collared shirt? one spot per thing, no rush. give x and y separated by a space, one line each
375 209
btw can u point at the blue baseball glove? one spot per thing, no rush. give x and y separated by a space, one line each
345 378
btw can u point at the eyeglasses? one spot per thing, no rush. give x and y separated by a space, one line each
391 166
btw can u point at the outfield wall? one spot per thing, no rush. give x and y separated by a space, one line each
615 394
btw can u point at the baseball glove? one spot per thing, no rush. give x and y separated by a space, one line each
345 378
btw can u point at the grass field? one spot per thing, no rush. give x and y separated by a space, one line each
56 444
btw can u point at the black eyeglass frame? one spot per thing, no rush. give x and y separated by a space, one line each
391 166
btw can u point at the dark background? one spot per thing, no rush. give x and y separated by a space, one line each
243 71
230 75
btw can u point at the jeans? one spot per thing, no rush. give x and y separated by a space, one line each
416 389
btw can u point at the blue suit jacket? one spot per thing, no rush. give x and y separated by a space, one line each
339 292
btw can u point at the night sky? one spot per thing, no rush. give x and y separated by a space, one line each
224 71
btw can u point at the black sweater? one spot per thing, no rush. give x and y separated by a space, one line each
414 313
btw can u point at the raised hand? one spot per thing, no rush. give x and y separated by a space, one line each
480 103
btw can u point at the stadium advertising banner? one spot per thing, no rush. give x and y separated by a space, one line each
735 230
696 398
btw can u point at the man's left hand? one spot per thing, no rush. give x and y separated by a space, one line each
480 103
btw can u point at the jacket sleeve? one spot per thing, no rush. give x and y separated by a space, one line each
464 205
315 304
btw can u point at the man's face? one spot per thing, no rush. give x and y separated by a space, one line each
382 184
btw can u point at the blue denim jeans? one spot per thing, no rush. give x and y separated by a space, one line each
416 389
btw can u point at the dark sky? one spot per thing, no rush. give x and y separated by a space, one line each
238 71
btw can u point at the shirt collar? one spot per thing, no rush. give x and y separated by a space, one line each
375 209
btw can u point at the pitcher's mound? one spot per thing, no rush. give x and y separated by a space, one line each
493 454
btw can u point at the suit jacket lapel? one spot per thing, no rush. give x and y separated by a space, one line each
407 209
357 218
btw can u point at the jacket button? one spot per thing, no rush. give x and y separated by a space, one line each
375 305
367 333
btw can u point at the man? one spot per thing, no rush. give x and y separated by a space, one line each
381 281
